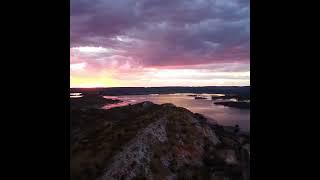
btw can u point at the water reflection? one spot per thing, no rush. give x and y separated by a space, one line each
75 95
222 114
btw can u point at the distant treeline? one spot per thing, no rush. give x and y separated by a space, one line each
116 91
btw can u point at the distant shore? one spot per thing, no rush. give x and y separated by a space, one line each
96 101
117 91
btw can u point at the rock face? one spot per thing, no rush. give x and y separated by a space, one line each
137 153
149 141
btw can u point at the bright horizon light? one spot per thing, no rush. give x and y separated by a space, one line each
206 44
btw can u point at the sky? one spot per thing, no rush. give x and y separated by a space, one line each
146 43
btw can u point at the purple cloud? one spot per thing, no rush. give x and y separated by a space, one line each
127 38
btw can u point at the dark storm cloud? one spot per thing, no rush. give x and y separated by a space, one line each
165 32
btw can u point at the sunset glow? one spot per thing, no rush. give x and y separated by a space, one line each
178 43
92 81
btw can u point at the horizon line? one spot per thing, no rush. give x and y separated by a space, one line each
155 86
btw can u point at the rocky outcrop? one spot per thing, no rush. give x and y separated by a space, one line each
150 141
136 153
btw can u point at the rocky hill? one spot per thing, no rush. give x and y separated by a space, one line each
150 141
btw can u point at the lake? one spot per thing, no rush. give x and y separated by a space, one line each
221 114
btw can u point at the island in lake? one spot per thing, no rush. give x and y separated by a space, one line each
233 100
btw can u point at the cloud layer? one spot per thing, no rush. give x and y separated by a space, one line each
129 36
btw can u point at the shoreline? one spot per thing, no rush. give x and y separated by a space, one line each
93 101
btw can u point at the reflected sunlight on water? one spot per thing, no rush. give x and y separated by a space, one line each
222 114
75 95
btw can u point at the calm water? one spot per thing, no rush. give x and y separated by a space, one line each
221 114
75 95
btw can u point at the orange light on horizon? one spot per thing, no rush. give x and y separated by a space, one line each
91 82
